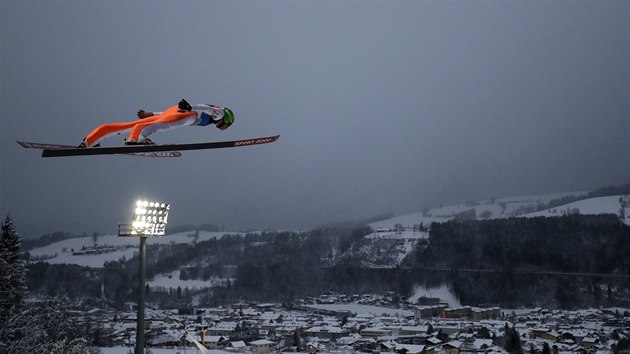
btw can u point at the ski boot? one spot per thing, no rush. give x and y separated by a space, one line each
131 142
84 145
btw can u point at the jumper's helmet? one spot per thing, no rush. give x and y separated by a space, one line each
227 119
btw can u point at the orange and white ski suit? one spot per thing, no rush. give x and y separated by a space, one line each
171 118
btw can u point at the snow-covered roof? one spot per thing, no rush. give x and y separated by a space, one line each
262 342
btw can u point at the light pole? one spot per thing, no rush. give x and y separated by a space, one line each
149 219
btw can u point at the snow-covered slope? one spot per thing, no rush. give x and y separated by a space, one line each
511 207
90 252
85 252
592 206
406 228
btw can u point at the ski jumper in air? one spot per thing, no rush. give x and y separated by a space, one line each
183 114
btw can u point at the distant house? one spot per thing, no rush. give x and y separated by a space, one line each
452 347
266 307
217 311
225 329
413 330
552 336
164 340
589 342
387 346
433 341
545 333
216 342
237 346
373 332
326 332
429 311
481 345
410 349
262 346
457 312
479 314
538 332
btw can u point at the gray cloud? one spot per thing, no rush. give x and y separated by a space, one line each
381 106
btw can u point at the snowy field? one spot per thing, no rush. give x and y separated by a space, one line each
601 205
121 247
503 208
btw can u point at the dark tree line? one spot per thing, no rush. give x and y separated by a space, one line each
578 243
517 249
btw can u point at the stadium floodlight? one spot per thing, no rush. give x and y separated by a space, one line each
149 219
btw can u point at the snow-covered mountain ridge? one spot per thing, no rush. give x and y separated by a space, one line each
391 242
395 238
526 206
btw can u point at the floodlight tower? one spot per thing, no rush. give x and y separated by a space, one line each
149 219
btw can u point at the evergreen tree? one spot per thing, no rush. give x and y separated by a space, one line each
42 328
512 341
38 328
546 349
13 290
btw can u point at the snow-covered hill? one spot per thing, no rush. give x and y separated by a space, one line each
393 239
405 231
511 207
592 206
94 252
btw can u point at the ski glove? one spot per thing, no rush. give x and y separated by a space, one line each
184 106
143 114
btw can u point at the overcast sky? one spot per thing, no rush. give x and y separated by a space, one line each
382 106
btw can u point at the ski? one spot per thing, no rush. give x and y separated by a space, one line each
155 148
45 146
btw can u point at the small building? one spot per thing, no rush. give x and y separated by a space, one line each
457 312
373 332
480 314
216 342
236 346
262 346
429 311
225 329
326 332
546 334
589 342
410 349
452 347
164 340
